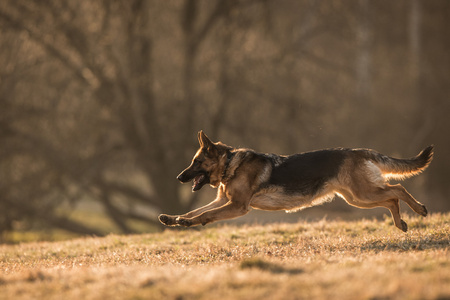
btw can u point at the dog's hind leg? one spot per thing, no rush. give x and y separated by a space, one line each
391 204
401 193
394 208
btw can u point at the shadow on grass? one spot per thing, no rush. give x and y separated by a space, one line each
260 264
408 244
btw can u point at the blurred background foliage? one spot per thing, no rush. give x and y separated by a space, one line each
101 101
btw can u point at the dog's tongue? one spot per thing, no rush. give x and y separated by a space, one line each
197 180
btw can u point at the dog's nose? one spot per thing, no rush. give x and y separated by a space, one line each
180 177
183 177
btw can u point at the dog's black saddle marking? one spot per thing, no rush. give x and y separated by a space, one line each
306 173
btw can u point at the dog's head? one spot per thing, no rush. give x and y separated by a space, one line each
208 164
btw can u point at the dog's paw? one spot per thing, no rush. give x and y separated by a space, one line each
424 211
167 220
184 222
404 226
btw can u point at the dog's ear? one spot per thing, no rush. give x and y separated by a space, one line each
205 142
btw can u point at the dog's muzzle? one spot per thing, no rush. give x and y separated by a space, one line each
198 180
183 178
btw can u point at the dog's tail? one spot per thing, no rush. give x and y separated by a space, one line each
398 169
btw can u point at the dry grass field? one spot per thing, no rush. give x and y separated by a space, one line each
366 259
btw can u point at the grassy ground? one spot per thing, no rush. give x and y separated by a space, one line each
366 259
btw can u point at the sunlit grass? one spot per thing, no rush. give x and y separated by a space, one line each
26 236
365 259
90 218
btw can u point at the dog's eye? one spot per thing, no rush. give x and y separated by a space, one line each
198 162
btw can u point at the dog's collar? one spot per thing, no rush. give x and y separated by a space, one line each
230 156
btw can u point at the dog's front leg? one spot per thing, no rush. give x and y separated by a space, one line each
220 200
174 220
228 211
239 195
168 220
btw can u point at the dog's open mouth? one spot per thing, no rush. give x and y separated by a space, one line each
198 182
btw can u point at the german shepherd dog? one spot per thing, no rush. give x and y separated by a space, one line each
246 179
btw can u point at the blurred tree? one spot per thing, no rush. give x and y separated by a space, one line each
107 47
101 100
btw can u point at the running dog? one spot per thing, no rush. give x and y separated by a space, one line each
246 179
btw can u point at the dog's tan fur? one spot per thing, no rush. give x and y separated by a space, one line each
243 179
